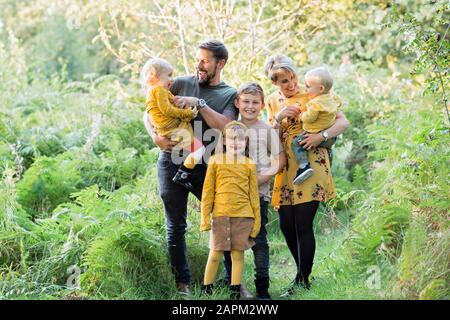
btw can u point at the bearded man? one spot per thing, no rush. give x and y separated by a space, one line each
215 101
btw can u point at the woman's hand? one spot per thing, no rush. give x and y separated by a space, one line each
185 102
311 140
287 112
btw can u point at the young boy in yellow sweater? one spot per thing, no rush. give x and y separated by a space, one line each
170 121
230 205
320 115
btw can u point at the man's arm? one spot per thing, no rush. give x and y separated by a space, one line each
213 118
162 142
312 140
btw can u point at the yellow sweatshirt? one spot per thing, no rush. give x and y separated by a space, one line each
164 115
321 112
230 189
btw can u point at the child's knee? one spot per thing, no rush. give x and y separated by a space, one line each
215 257
237 256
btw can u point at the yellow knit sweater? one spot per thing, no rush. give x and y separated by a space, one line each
230 189
165 117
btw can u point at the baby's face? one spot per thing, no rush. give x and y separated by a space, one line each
165 79
313 87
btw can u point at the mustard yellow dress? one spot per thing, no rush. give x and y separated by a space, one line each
320 185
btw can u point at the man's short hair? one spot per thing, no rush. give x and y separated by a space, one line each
251 88
217 48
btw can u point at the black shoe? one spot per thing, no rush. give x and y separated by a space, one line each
262 289
263 295
183 178
223 283
301 282
235 292
207 289
290 291
303 174
298 283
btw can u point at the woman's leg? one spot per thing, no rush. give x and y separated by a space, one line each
304 217
287 226
237 267
212 266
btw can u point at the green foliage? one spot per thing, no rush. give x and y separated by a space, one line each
46 184
428 38
122 262
405 216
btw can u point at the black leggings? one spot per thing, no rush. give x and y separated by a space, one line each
296 223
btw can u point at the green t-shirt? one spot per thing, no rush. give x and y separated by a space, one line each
220 98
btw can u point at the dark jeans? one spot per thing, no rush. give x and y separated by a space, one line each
175 199
260 249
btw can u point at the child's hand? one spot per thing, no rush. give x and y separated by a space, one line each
254 233
194 112
185 102
205 227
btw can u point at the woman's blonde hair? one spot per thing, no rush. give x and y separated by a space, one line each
154 67
277 63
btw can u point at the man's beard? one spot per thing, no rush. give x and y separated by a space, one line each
207 80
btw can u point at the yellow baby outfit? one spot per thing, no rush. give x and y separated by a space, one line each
168 120
321 112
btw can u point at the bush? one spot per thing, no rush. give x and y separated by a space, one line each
48 182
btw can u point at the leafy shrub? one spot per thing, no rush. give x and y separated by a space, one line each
48 182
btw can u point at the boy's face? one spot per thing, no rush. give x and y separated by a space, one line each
249 105
287 82
313 87
165 79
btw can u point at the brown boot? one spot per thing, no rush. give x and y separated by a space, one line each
245 294
183 289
